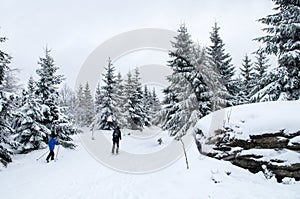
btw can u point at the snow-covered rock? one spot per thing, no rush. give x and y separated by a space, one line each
254 135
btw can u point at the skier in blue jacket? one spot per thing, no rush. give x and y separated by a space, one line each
51 145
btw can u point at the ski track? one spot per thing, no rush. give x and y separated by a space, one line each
77 175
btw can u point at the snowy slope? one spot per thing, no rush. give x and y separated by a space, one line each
77 175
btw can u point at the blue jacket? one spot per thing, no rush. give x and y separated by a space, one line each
52 144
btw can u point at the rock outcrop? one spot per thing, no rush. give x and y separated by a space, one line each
279 152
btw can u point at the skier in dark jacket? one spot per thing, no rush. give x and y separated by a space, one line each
116 137
51 145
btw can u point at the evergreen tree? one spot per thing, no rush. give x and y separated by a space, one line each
240 96
220 62
105 118
247 78
129 104
31 85
47 93
31 134
155 100
176 114
220 96
147 103
66 97
135 114
11 81
5 129
88 105
261 65
80 108
98 99
47 85
67 102
146 98
119 109
200 66
196 80
151 104
167 111
274 82
138 97
166 115
5 60
282 40
260 76
155 106
5 110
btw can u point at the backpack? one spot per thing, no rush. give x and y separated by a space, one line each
115 134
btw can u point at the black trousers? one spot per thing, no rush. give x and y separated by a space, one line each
115 142
51 155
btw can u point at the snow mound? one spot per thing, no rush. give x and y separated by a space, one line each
255 119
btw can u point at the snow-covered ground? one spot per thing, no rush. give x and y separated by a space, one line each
143 142
78 174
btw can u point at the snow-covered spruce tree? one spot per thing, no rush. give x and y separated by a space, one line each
260 76
168 107
5 60
119 98
220 63
240 96
273 83
283 40
261 65
105 119
155 105
67 98
178 104
138 99
79 106
5 110
98 99
30 133
138 112
146 100
128 105
147 104
47 93
200 88
134 112
88 101
213 79
151 104
84 106
11 81
5 130
247 80
67 102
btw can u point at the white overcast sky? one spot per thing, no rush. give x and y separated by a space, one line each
74 28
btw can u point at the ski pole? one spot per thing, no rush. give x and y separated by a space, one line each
93 138
57 152
41 156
